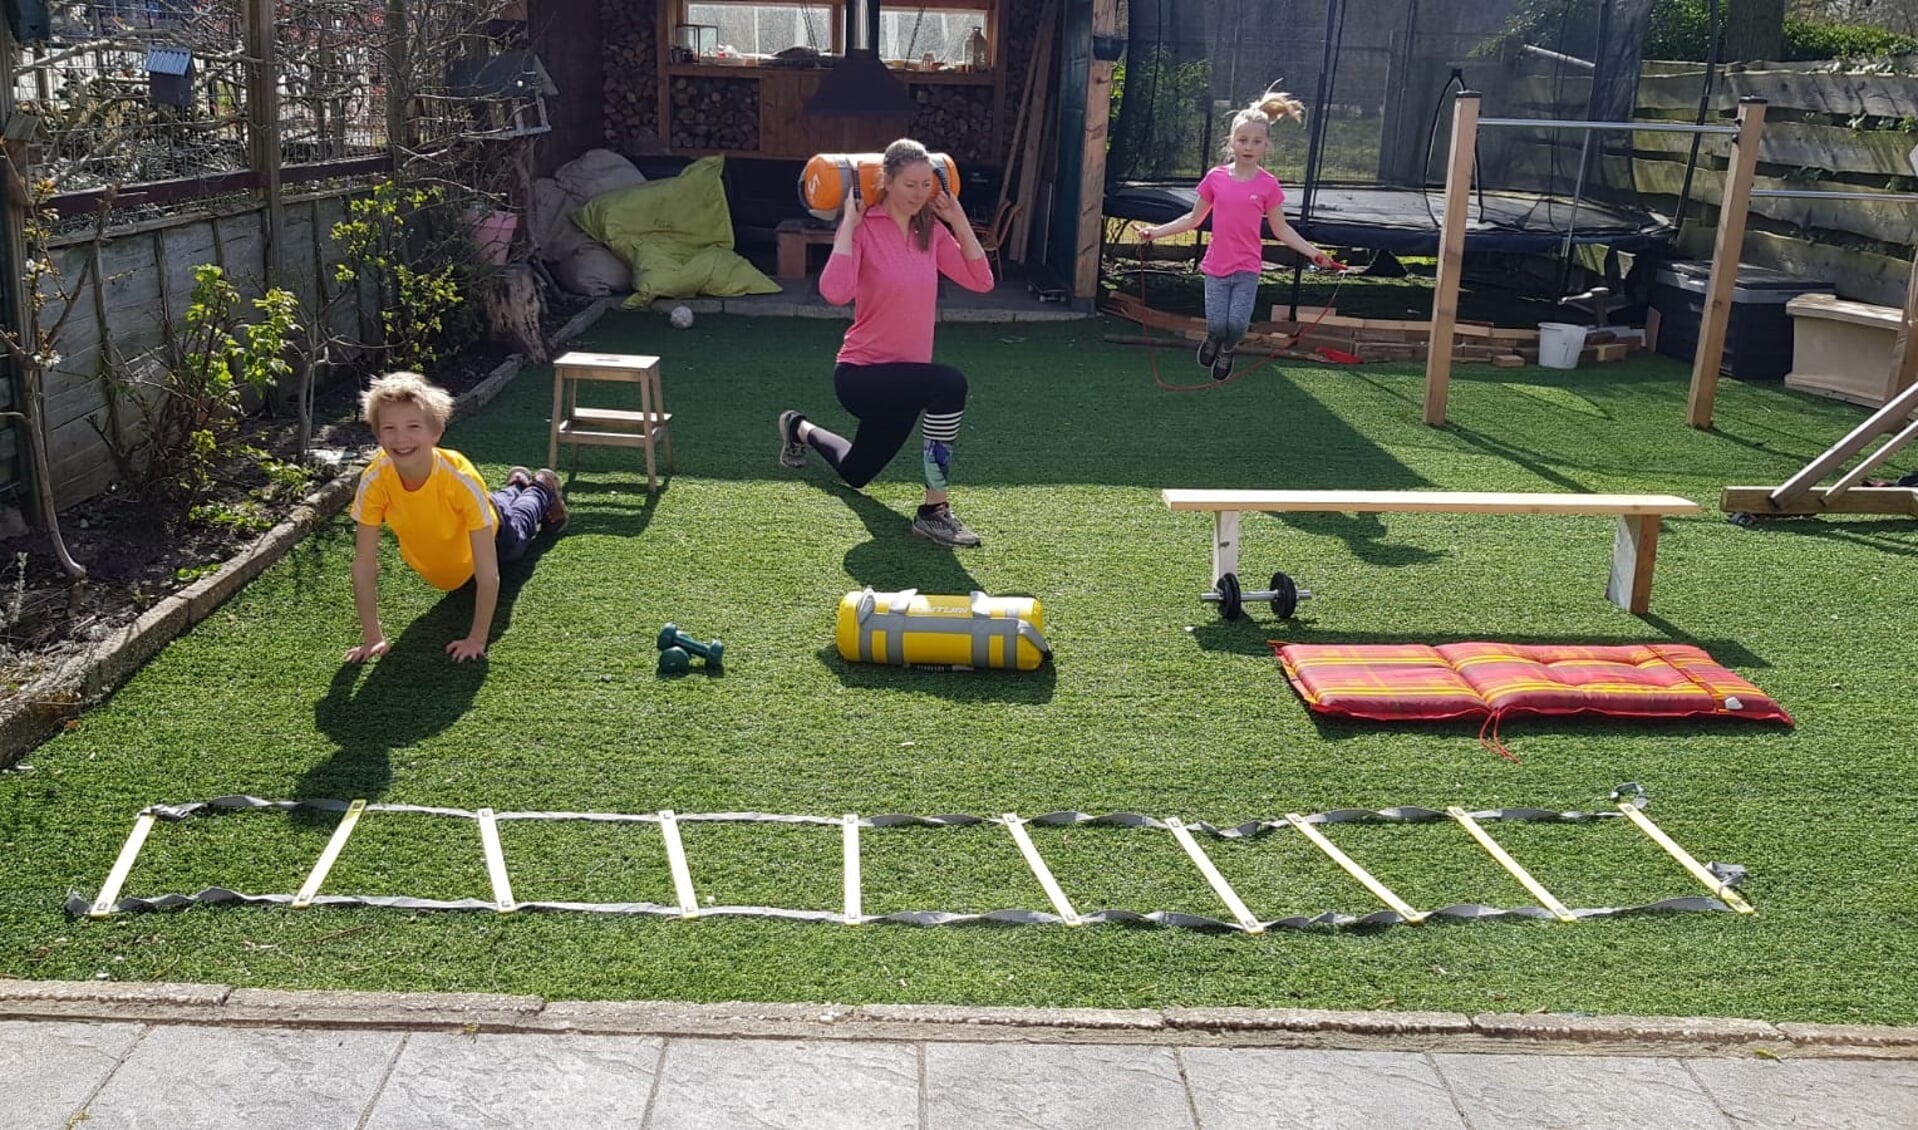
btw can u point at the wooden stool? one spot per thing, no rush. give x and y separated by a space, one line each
794 237
618 428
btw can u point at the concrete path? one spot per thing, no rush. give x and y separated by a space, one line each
207 1056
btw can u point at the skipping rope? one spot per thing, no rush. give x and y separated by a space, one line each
1334 356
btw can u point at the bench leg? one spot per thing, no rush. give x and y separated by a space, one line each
792 256
1225 543
1632 554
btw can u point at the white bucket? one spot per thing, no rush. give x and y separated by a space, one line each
1559 344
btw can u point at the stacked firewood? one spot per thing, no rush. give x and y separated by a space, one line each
631 64
956 120
715 113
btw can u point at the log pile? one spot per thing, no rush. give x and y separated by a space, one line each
1375 339
1018 38
715 113
955 120
631 64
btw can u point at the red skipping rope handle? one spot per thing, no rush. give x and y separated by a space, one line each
1336 356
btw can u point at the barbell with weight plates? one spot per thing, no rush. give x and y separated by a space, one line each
1284 596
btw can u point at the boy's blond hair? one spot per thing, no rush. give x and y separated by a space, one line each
406 388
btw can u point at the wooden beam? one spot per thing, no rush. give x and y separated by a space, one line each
1819 500
1035 133
1726 247
1458 188
263 131
1092 170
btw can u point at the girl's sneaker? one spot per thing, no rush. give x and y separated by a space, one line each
939 524
1208 352
1222 365
792 453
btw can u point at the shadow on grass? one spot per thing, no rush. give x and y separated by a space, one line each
1514 730
1250 635
1026 687
406 696
894 558
606 508
1362 534
1887 535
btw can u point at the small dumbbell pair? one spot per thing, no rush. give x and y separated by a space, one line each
676 651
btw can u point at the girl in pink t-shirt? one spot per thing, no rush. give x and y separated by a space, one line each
1239 195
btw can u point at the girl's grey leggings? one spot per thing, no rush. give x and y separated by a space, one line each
1228 306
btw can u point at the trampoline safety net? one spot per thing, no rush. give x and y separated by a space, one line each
1378 78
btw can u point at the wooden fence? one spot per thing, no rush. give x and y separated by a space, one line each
1824 129
130 289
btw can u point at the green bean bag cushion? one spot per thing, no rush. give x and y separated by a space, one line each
676 234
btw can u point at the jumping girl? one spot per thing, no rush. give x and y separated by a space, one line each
886 260
1238 195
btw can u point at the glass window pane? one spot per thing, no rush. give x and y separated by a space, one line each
760 30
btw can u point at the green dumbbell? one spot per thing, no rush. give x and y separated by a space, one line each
674 661
712 651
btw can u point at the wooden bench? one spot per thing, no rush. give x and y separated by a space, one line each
794 237
1632 553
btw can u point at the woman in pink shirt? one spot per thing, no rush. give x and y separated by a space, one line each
886 261
1239 195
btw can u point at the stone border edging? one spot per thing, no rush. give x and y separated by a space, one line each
48 701
1509 1033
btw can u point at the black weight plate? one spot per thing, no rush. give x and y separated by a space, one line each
1285 596
1230 605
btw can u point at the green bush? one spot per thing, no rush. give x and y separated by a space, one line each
1681 29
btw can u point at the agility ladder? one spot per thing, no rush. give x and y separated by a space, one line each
1629 799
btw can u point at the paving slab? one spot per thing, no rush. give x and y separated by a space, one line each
199 1078
49 1067
523 1081
1260 1088
1813 1093
1053 1086
815 1085
1589 1092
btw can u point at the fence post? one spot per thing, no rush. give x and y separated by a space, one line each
397 63
1726 249
1458 191
263 129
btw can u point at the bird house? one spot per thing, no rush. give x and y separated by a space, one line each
505 93
169 76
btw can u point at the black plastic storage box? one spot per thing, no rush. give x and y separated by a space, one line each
1758 338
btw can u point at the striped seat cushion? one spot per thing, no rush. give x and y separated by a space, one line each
1408 682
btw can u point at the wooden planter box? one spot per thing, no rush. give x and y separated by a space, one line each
1843 349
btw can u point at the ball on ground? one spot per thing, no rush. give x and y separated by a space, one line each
682 317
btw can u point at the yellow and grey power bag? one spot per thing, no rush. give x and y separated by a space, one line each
909 629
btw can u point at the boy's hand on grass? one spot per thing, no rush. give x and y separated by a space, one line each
366 651
467 648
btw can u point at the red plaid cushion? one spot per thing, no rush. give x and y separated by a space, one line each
1401 682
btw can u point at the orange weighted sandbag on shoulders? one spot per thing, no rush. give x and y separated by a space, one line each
830 179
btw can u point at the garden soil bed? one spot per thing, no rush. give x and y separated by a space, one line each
135 558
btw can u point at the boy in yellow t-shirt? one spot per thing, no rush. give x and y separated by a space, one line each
450 529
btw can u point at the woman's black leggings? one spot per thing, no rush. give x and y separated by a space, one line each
887 399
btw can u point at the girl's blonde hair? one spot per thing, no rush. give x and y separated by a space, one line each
899 154
406 388
1271 106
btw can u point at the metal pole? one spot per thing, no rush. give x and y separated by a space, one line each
1704 109
1315 134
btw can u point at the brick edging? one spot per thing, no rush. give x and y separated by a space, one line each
1526 1033
46 702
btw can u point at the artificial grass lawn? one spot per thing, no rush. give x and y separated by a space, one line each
1153 705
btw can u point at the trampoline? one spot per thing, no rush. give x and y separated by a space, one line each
1404 221
1378 80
